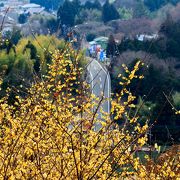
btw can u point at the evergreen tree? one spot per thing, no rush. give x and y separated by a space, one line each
166 27
88 5
171 31
51 24
109 12
67 12
140 10
15 36
77 6
33 53
155 4
1 4
97 5
22 18
111 47
37 65
33 50
93 5
174 2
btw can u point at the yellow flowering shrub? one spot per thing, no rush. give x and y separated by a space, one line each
51 133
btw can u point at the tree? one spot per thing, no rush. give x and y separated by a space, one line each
86 15
66 13
154 5
50 134
19 62
111 47
176 100
22 18
158 79
33 56
140 10
92 5
90 37
77 6
145 108
33 50
166 26
109 12
97 5
51 24
171 32
15 36
125 13
174 2
1 4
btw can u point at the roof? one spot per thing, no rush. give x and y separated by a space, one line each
92 42
35 10
101 38
31 5
141 37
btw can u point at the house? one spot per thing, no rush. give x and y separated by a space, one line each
35 10
30 5
102 41
32 8
143 37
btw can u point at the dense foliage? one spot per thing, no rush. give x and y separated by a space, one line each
73 12
156 4
92 5
111 49
67 12
159 83
22 18
48 24
165 46
109 12
19 62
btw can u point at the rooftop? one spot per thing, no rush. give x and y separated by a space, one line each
101 38
31 5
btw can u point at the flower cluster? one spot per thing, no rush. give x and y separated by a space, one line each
51 133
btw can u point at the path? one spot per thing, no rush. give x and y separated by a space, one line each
100 83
